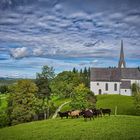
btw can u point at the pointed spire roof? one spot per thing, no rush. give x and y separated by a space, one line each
122 63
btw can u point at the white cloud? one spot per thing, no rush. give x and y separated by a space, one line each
38 52
19 52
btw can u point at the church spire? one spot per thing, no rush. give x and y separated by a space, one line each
122 63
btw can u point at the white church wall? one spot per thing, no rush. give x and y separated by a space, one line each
126 92
96 86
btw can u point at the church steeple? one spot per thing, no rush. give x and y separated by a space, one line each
122 63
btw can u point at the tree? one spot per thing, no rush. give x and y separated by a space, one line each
74 70
22 101
43 81
137 102
47 73
82 98
136 94
64 83
135 89
3 89
85 76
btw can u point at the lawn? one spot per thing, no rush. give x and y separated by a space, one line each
125 104
58 101
105 128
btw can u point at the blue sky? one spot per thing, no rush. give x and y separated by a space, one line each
66 34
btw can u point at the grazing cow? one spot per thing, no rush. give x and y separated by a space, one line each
75 113
106 111
97 112
87 114
64 114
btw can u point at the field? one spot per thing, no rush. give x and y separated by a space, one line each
120 127
125 104
106 128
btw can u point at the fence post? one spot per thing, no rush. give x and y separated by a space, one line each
115 110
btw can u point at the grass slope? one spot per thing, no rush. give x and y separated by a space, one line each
3 102
125 104
106 128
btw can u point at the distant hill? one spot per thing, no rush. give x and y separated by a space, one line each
8 81
105 128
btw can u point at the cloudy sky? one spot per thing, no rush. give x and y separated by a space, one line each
66 34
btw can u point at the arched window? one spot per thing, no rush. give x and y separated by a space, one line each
106 86
115 87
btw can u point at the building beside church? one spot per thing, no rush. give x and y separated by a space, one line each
114 80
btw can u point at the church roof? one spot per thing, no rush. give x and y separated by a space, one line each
114 74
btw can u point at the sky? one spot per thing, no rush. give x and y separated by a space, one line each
66 34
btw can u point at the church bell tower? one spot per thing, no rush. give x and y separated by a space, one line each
121 63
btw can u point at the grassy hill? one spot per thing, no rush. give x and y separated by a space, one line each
105 128
125 104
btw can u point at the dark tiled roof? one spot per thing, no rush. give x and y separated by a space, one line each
130 73
114 74
125 85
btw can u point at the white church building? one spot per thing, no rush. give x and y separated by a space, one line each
114 80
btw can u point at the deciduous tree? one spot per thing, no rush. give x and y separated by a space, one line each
22 101
82 98
43 80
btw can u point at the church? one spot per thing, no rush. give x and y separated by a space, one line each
114 80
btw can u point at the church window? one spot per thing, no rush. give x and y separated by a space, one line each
106 86
125 90
115 87
97 84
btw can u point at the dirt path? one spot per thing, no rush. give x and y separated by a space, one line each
58 109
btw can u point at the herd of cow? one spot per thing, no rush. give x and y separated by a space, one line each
88 113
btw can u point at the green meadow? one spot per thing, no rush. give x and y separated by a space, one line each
106 128
124 126
124 104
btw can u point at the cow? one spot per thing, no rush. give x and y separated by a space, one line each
97 112
87 114
105 111
74 113
64 114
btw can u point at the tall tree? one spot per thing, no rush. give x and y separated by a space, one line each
43 80
22 101
82 98
64 83
74 70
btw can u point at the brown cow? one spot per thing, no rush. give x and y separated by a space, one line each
74 113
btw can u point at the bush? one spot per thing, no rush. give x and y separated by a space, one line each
3 89
4 120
